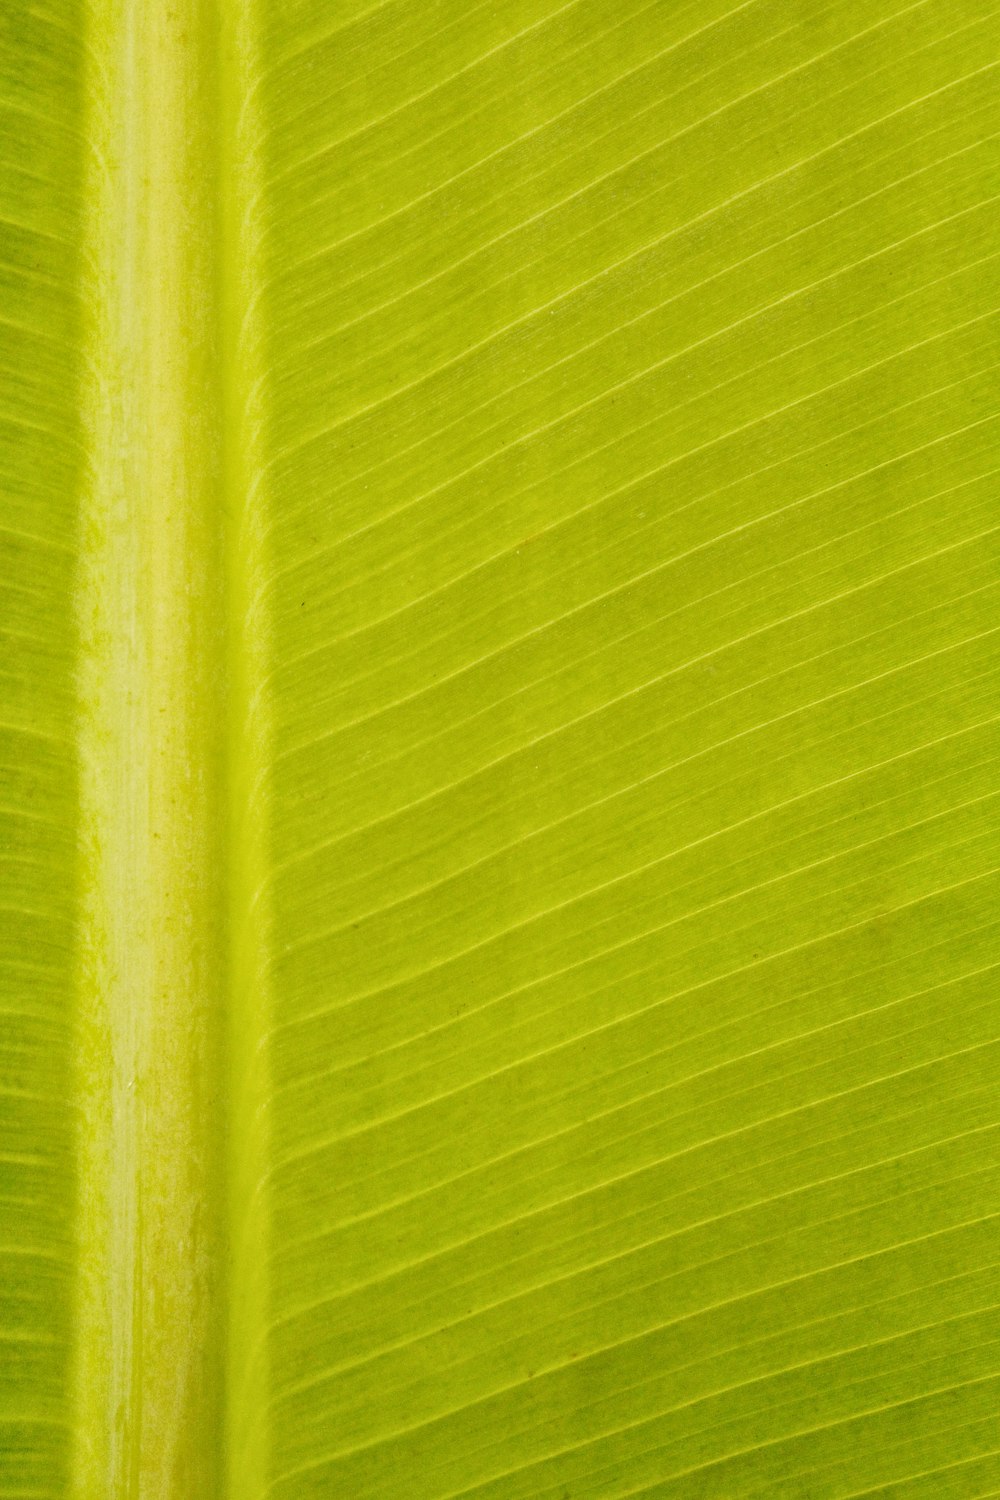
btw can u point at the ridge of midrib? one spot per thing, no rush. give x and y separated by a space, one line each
246 1444
152 735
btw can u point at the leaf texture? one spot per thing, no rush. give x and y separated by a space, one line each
630 497
603 489
40 70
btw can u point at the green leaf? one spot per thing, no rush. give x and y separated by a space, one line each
498 801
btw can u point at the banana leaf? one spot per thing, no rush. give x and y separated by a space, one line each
499 841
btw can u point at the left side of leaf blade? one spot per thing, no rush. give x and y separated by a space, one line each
41 58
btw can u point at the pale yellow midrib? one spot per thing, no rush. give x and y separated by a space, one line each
150 1327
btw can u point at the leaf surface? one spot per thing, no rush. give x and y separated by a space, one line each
564 556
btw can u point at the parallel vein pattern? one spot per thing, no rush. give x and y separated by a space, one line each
40 170
524 479
626 474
